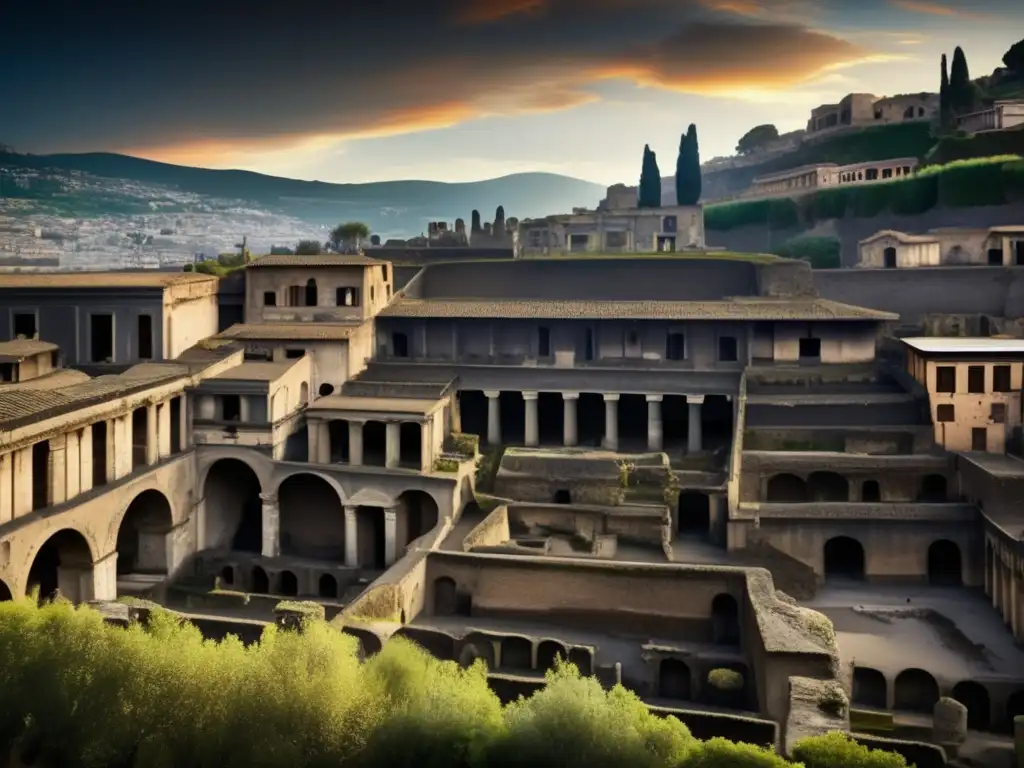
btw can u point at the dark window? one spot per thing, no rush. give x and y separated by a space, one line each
1001 378
810 349
101 338
232 407
976 379
979 439
727 352
348 297
588 345
999 413
269 299
373 294
326 389
145 337
889 257
6 371
311 294
25 324
669 224
399 345
294 354
676 348
543 342
995 257
945 379
945 413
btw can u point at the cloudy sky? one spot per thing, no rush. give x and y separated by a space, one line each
456 90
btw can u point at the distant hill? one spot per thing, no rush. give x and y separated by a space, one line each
391 206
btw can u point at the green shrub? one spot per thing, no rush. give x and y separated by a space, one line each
76 692
837 750
777 213
871 721
725 679
819 252
966 147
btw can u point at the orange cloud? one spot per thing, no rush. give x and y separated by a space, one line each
937 9
488 11
739 7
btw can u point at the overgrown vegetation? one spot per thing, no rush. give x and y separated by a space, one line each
820 252
78 693
960 184
222 266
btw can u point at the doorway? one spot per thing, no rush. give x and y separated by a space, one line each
666 243
889 258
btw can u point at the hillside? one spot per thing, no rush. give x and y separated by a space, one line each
399 207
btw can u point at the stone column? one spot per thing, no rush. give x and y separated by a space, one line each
271 523
493 418
390 536
695 431
351 538
393 444
988 569
324 443
997 580
1015 617
6 487
207 407
313 438
96 583
244 409
152 435
570 430
164 429
113 435
355 443
654 427
531 428
22 476
184 423
611 421
57 493
426 446
73 463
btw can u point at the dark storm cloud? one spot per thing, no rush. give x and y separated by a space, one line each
221 74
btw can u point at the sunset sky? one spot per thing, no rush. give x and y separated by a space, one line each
457 90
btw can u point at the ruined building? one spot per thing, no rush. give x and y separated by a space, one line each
689 475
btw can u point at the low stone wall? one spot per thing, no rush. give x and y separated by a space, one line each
917 753
492 531
630 523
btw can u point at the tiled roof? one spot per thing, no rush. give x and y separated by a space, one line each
141 279
288 331
257 371
323 260
735 309
19 349
58 379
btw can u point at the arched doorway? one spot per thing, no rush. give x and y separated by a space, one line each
944 564
5 592
694 513
828 487
416 516
889 258
260 581
289 584
725 620
371 537
312 519
445 596
975 697
548 652
327 586
517 654
844 558
142 536
64 563
869 688
933 489
674 680
232 508
915 691
786 489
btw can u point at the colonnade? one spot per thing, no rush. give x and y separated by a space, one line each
319 436
271 524
610 441
1002 584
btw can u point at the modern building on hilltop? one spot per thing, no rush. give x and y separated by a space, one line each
656 467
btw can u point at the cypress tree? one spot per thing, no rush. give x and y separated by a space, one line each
961 89
475 222
688 182
945 108
649 192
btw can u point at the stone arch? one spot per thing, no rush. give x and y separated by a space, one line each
232 508
870 688
516 653
327 586
260 581
476 647
288 584
844 558
786 489
5 592
915 691
63 562
312 518
934 488
445 596
673 680
370 497
725 620
945 566
975 697
143 535
828 487
547 652
418 516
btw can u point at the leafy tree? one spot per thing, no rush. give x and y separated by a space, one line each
756 138
348 236
649 192
1014 58
688 183
308 248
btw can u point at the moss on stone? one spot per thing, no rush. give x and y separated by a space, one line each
442 464
465 444
727 680
833 700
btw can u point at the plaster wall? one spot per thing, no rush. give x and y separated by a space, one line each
188 322
872 254
840 342
635 230
331 360
373 283
35 366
